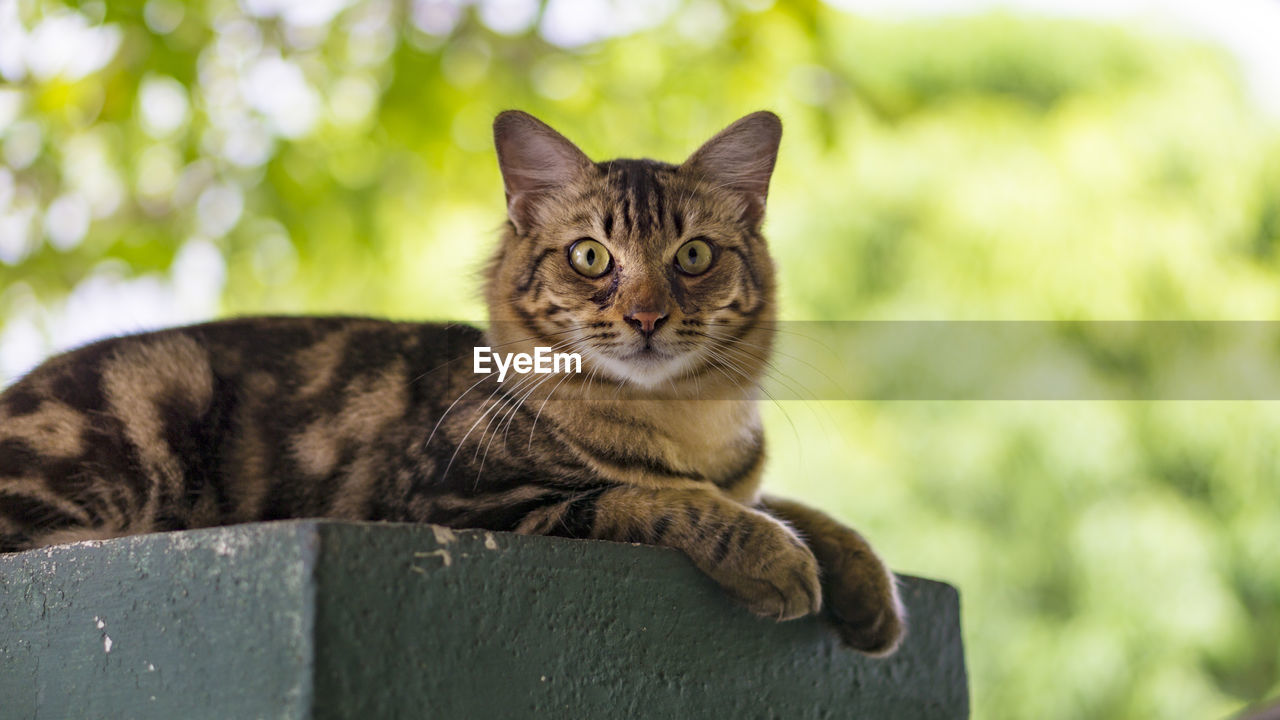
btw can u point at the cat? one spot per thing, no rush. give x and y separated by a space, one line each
655 275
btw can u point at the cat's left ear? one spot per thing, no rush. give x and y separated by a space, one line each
741 157
535 161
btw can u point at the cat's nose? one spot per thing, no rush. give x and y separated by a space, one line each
646 322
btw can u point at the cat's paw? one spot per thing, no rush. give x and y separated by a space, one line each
774 574
862 599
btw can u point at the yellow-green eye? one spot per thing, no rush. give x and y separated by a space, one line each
694 257
589 258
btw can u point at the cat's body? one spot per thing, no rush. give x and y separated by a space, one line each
656 274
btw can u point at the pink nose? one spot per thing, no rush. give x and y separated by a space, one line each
646 322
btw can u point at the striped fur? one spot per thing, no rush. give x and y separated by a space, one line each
657 441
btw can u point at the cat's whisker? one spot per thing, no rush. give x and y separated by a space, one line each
511 396
487 405
793 385
505 395
764 390
511 416
621 382
452 406
545 400
732 380
775 351
771 369
515 407
697 384
468 390
520 382
723 360
569 345
591 378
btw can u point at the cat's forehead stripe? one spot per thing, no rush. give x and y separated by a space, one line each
641 192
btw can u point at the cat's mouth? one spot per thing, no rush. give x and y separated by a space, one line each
648 354
646 362
647 365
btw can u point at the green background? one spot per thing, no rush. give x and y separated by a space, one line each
1115 559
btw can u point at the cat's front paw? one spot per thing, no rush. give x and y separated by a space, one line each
862 599
773 573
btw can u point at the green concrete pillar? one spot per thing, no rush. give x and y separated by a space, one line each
317 619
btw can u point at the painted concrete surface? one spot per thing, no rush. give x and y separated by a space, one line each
319 619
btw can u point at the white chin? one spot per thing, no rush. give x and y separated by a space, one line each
646 373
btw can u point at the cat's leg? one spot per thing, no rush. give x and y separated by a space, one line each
92 447
753 556
51 499
52 486
861 594
32 515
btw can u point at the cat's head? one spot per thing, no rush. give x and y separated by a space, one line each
655 273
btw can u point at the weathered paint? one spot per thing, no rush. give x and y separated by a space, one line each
210 623
315 619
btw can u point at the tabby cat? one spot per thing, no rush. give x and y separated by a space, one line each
655 274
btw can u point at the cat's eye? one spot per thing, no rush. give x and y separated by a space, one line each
694 257
590 258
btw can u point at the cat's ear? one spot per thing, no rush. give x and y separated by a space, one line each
741 157
535 160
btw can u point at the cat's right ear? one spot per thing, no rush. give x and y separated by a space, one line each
535 161
741 158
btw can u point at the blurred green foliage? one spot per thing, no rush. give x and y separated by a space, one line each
1116 560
